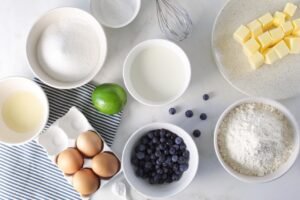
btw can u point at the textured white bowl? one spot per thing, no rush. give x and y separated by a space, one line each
9 86
95 7
127 71
55 16
164 190
282 169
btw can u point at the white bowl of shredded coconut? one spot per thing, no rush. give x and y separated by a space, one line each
256 140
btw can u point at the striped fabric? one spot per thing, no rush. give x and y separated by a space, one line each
26 172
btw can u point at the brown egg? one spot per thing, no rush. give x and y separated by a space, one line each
105 165
86 182
89 143
70 161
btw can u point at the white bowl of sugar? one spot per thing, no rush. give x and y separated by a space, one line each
115 13
66 48
256 140
156 72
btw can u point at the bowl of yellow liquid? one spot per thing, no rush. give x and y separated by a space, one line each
24 110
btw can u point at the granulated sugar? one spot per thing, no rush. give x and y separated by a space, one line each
255 139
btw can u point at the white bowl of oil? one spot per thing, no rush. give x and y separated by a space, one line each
24 110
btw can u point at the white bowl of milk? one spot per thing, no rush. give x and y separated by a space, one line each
156 72
24 110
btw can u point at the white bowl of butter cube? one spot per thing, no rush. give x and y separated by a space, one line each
23 110
257 47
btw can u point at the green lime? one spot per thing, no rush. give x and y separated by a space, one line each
109 98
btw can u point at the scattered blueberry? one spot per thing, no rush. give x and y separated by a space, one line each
196 133
189 113
205 97
172 111
203 116
160 157
178 140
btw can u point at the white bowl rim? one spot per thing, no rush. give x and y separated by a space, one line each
289 116
187 66
44 96
84 81
104 23
162 125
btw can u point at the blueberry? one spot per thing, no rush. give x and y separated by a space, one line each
159 171
145 140
174 158
140 155
176 146
150 135
162 133
155 140
175 177
181 160
205 97
172 111
134 161
178 140
172 151
186 154
182 146
162 140
152 157
149 151
139 172
203 116
196 133
157 153
148 165
142 147
161 158
189 113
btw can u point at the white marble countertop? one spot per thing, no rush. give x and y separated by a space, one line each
211 182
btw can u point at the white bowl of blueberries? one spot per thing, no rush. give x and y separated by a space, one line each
160 160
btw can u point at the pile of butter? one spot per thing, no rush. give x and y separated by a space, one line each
270 38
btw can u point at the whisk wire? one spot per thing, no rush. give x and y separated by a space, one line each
173 20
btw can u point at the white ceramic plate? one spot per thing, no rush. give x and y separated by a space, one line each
278 81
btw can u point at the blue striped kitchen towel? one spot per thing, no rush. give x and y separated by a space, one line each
26 172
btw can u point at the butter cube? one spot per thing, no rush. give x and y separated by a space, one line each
277 34
265 40
279 18
251 46
296 24
256 60
281 49
266 21
287 28
294 44
297 33
242 34
270 56
290 10
255 28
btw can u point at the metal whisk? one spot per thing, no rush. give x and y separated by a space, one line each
174 21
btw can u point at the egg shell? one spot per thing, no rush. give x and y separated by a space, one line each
105 165
70 161
89 143
86 182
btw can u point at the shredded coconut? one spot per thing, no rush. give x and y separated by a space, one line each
255 139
